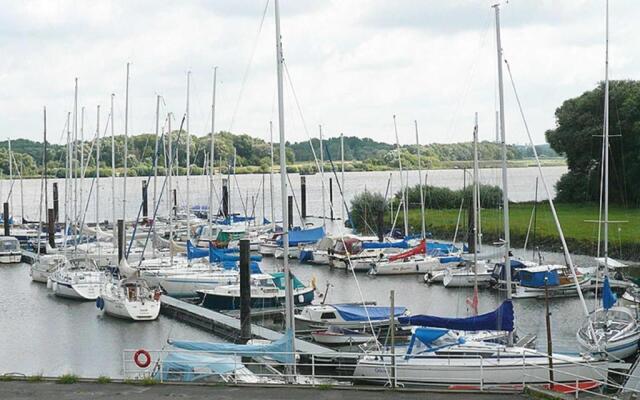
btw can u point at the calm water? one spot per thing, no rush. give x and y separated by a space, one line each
45 334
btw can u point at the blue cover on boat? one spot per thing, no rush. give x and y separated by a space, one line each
195 252
303 236
281 350
428 335
536 279
254 267
305 256
215 255
499 320
385 245
516 266
190 367
357 312
608 297
449 259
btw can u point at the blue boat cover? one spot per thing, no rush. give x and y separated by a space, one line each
516 266
428 335
449 259
385 245
359 312
305 256
608 297
499 320
278 280
220 256
195 252
190 367
281 350
303 236
254 267
536 279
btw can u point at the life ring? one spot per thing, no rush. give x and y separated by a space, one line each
140 363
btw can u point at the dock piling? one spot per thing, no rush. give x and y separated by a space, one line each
120 240
51 227
245 291
5 220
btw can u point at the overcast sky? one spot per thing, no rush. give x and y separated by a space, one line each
353 63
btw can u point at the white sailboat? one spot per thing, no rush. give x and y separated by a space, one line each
612 330
78 278
129 298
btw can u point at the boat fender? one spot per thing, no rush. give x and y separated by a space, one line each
142 358
100 303
54 286
49 283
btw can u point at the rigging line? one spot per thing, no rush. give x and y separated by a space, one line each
248 68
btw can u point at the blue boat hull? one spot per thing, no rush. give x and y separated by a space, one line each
222 302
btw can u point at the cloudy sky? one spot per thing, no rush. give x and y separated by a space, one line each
353 64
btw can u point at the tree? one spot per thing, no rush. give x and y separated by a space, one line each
366 208
578 135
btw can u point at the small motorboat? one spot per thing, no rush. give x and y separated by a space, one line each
348 316
335 335
467 276
10 252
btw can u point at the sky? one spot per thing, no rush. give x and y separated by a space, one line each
351 65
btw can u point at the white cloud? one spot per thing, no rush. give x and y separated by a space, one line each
353 63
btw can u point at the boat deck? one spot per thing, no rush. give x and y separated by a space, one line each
226 326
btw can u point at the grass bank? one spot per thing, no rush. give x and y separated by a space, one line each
580 234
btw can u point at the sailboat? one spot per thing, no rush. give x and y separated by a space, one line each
612 330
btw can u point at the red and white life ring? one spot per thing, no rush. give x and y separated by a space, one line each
142 358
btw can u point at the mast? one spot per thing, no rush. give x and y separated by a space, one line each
170 189
212 152
10 179
324 219
605 161
155 158
342 176
273 212
67 183
476 207
74 162
98 167
424 230
505 191
81 149
113 174
283 192
126 147
188 160
403 192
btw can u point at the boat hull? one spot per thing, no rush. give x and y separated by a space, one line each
132 310
78 291
214 301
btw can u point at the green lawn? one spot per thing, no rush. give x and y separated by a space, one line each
580 234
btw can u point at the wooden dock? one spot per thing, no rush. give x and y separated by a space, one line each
226 326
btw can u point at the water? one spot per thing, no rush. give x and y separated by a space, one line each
246 190
43 334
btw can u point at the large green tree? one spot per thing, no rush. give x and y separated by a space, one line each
578 135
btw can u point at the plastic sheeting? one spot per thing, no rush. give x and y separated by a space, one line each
537 279
303 236
358 312
189 367
281 350
608 297
499 320
385 245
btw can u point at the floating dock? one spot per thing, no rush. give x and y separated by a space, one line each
226 326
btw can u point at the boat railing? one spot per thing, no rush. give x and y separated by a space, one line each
609 386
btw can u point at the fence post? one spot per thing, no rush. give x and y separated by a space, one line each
313 370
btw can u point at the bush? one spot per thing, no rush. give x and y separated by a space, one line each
445 198
365 209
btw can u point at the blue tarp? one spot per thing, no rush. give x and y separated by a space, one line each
516 266
499 320
357 312
189 367
254 267
281 350
428 335
195 252
536 279
303 236
450 259
305 256
215 255
608 297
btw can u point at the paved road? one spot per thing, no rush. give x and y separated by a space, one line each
82 391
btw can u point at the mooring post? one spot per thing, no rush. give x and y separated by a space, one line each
120 240
290 211
175 202
51 227
380 225
5 219
145 205
245 291
303 196
56 206
331 197
225 198
392 331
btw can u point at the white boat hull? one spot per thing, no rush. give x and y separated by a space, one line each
10 258
78 291
133 310
407 267
465 279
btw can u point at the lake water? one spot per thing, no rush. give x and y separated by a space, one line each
43 334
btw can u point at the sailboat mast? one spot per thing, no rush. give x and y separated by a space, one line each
273 212
505 190
403 193
155 158
97 166
342 206
81 150
324 219
424 230
283 193
605 161
476 207
74 164
126 147
171 205
188 159
212 151
113 173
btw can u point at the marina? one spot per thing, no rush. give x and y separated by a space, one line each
210 258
